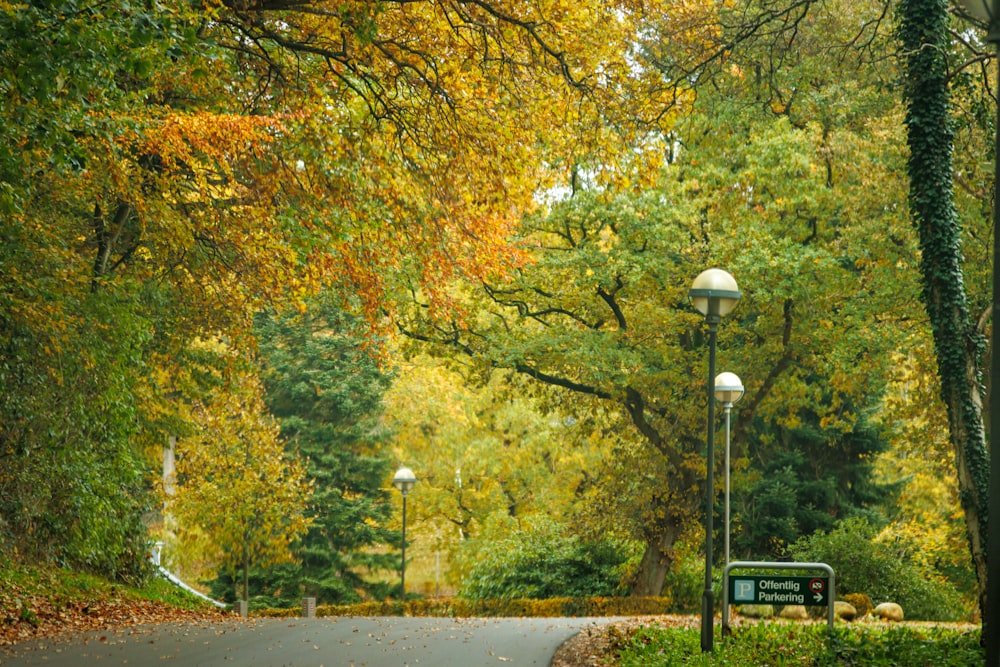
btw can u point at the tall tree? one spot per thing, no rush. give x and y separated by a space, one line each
71 356
784 201
326 392
958 339
611 275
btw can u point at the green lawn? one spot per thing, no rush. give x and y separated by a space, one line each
779 644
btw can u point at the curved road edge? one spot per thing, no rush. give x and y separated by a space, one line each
315 642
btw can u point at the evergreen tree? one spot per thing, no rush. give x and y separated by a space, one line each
326 391
806 478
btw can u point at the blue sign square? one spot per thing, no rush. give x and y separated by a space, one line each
744 590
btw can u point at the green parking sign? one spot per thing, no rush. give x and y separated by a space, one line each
816 590
764 589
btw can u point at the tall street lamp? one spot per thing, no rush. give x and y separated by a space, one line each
714 293
989 11
728 390
404 479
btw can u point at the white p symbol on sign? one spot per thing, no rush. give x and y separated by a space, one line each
744 590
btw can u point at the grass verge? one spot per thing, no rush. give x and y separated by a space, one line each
42 601
18 580
779 644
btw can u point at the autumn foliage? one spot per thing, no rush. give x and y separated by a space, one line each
166 172
526 188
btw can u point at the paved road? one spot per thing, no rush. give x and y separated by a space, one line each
317 642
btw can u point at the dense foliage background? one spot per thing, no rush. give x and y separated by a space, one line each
288 247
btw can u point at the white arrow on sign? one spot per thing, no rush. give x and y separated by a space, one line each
817 597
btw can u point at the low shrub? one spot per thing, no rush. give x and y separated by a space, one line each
861 602
810 645
543 562
865 565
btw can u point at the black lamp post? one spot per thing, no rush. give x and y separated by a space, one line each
714 293
404 479
987 10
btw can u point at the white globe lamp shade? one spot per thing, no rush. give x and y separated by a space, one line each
728 388
404 479
714 290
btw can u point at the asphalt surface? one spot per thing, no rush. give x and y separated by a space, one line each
315 642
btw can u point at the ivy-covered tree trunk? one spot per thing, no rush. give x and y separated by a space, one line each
958 345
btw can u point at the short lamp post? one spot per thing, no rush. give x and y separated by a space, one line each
714 293
728 390
989 11
404 479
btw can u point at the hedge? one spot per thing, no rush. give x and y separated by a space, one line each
459 607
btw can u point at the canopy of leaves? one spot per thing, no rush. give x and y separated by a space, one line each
489 453
169 169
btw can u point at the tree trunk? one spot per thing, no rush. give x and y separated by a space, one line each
958 344
656 560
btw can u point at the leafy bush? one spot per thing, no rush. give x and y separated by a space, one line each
74 487
545 563
864 565
685 583
861 603
803 646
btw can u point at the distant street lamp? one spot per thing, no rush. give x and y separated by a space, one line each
728 390
404 479
714 293
989 11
